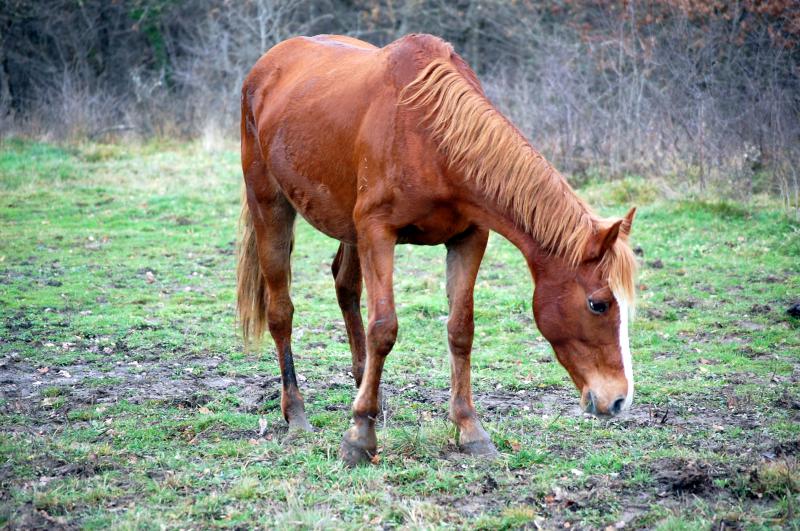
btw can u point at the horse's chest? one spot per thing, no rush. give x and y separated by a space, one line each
434 228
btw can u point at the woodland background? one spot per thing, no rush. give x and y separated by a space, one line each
704 95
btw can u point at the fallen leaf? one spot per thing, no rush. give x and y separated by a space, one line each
43 370
204 410
375 459
149 277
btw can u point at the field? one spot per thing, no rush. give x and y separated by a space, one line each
127 401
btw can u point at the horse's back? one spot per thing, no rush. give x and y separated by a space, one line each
341 63
344 39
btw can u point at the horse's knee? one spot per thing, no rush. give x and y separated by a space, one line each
382 333
459 335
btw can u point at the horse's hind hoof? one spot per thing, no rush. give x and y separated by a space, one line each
353 452
298 429
480 448
300 424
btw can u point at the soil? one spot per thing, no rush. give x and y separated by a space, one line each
138 380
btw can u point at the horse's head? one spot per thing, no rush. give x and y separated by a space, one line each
583 312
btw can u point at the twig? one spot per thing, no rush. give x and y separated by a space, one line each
121 127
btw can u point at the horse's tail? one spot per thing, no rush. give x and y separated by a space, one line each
251 288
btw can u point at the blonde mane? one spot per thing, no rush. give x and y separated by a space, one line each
488 150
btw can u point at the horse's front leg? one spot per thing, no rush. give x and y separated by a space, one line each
376 252
464 255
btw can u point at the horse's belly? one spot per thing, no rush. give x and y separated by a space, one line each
318 205
323 196
323 212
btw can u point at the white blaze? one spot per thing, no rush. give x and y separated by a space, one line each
625 348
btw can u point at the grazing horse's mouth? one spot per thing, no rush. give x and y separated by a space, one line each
610 409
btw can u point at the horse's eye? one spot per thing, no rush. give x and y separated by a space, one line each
597 307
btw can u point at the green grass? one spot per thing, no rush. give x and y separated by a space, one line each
128 402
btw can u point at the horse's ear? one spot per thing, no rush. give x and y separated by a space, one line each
627 221
603 240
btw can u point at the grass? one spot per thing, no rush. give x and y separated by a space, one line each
127 400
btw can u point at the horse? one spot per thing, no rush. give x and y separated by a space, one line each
380 146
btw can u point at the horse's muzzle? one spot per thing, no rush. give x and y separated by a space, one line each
613 409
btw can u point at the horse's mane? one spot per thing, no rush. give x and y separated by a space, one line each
488 150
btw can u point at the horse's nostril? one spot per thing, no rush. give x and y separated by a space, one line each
616 407
591 406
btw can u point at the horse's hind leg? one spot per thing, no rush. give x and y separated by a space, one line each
346 270
464 254
273 220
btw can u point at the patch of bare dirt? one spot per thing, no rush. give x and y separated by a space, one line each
26 516
686 303
25 388
684 475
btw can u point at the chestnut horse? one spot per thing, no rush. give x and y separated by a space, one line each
380 146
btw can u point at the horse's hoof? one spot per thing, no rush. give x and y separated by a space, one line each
480 448
353 452
300 424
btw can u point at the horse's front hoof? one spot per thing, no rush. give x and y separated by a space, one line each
353 451
480 448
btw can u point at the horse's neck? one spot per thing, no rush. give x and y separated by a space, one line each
534 207
492 215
